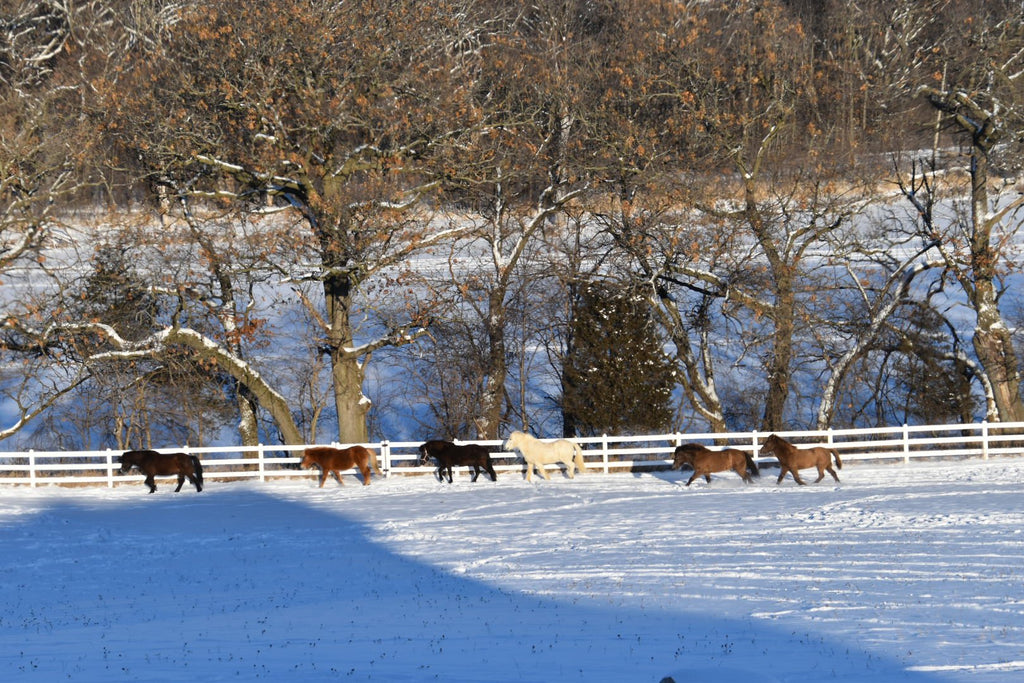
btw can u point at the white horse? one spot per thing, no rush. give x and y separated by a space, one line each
538 453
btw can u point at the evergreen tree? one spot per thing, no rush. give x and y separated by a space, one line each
617 378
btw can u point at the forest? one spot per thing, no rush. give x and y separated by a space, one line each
241 221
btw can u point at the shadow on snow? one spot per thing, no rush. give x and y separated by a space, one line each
237 584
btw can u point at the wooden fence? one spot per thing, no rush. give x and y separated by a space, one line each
603 454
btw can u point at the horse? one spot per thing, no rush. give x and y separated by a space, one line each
447 455
333 460
792 458
704 461
154 464
538 453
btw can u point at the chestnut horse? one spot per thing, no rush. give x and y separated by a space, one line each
791 459
538 453
333 460
155 464
447 455
704 461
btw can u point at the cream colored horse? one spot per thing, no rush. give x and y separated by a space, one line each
538 453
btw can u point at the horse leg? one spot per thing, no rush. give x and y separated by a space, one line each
490 471
570 468
323 476
365 469
476 473
448 468
195 481
821 475
181 480
337 475
832 472
707 477
692 478
151 483
795 473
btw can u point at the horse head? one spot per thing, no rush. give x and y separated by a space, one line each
682 456
513 441
128 460
769 446
424 454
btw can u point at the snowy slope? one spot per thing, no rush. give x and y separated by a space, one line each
911 573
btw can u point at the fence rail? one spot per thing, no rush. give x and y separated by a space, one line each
602 454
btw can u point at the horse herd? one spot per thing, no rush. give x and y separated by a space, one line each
536 453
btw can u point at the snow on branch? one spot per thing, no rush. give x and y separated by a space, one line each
399 337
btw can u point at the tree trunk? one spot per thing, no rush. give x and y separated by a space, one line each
497 369
248 425
698 376
782 312
350 403
992 340
780 363
347 374
570 421
994 346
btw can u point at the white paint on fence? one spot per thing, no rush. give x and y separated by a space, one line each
602 453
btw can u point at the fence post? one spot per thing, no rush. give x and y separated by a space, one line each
38 467
984 439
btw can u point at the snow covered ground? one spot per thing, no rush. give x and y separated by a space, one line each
900 573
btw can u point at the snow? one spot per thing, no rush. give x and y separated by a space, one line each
898 573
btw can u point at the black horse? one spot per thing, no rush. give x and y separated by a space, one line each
154 464
448 455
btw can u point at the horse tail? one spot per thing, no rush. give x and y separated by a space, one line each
752 465
578 457
198 467
835 454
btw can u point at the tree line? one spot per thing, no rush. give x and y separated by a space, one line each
235 220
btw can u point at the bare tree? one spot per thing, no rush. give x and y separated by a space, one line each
327 129
39 93
514 168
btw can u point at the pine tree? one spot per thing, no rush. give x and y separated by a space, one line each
617 378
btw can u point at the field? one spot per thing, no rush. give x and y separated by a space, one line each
900 573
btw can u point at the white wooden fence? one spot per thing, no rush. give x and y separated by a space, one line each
603 454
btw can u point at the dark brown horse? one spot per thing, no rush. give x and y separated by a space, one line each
704 461
791 459
447 455
154 464
334 460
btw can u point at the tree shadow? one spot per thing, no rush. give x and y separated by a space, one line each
236 583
